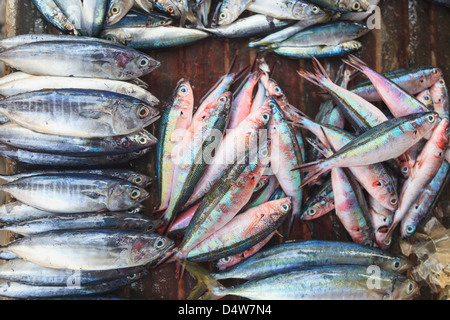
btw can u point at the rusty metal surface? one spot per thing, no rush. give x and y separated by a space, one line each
413 33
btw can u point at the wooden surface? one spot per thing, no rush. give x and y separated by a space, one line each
413 33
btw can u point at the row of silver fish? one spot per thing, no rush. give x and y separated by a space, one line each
296 29
77 231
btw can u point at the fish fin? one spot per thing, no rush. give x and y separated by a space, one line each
93 194
204 280
250 227
319 147
355 62
313 169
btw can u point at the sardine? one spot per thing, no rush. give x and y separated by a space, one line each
318 51
439 95
117 9
230 10
55 16
135 19
286 9
93 16
343 5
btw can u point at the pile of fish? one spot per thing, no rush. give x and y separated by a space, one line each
297 29
388 170
79 230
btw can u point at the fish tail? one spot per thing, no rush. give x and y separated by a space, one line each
313 169
320 147
205 282
356 63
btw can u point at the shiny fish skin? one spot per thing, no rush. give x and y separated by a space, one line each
98 113
80 221
439 95
155 37
251 26
343 5
425 203
285 9
380 219
145 5
117 9
28 82
230 10
93 16
175 120
303 254
73 9
19 270
20 137
90 250
54 15
330 33
375 145
319 203
134 177
190 161
137 19
19 290
79 59
413 81
243 231
73 193
347 283
318 51
58 160
226 198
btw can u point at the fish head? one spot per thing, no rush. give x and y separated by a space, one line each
141 65
117 35
150 247
117 10
226 262
130 116
409 226
143 139
184 99
350 46
226 15
173 8
317 208
353 5
260 117
404 289
122 196
262 183
394 263
433 74
302 9
139 179
424 123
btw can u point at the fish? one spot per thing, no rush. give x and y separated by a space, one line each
137 19
230 10
439 96
291 255
204 133
226 198
376 144
318 51
144 5
235 143
425 203
375 178
326 34
243 231
144 38
117 9
319 202
134 177
59 160
18 290
93 16
79 59
20 137
90 249
180 9
176 118
73 193
285 9
412 80
28 83
399 102
25 272
380 219
99 113
343 5
73 9
426 167
252 26
319 283
425 98
55 16
80 221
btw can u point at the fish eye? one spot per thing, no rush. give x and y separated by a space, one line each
160 243
396 265
170 10
272 104
223 99
143 62
442 81
138 180
435 71
431 118
143 112
277 89
264 152
447 132
311 212
132 276
394 200
426 98
135 194
356 6
115 10
405 169
142 140
315 9
285 207
266 117
410 287
410 229
183 90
